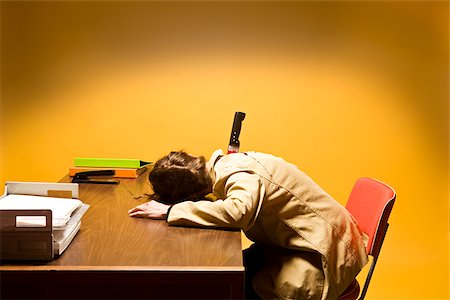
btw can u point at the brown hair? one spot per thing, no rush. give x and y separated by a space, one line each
178 177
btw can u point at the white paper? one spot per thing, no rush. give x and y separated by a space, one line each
61 208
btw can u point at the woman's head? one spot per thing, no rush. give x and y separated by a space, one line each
179 176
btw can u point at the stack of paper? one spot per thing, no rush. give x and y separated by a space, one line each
62 208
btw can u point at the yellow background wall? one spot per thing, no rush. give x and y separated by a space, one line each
342 89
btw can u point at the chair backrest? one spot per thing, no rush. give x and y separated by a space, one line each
370 203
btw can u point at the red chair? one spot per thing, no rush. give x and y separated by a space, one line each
370 203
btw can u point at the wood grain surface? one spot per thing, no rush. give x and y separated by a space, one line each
114 249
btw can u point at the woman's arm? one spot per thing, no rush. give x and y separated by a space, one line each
244 196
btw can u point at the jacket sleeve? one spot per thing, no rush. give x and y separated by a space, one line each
244 195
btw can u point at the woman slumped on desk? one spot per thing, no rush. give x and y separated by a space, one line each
306 244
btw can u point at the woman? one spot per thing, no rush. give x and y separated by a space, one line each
307 246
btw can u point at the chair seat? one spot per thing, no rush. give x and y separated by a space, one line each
351 292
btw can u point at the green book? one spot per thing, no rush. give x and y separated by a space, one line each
109 162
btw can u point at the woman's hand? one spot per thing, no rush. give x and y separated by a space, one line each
152 210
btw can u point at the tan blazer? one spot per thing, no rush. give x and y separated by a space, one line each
280 207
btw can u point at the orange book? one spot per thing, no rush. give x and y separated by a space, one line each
119 172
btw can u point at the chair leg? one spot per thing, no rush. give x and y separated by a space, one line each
372 266
368 278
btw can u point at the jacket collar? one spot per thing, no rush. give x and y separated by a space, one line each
212 161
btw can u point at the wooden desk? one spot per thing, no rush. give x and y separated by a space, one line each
118 257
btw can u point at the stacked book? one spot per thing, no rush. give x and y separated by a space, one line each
123 168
